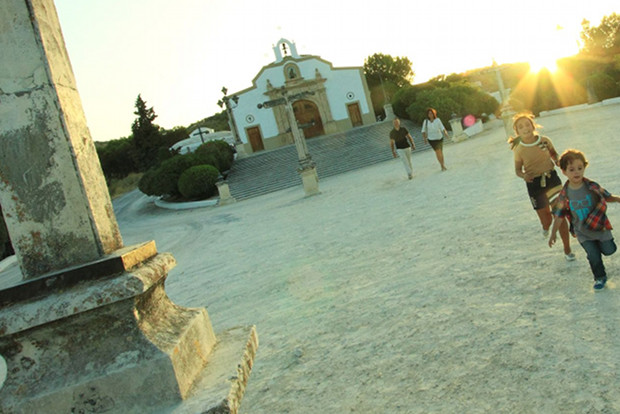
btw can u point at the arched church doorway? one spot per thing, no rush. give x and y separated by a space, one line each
307 114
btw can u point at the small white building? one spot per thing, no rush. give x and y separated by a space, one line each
199 136
337 100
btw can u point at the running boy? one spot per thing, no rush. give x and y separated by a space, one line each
584 202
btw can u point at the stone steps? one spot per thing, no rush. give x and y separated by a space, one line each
275 170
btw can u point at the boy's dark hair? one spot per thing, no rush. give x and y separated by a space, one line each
571 155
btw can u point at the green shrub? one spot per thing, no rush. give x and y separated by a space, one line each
117 158
486 105
206 155
439 99
603 86
402 99
217 153
198 182
121 186
163 180
459 98
148 183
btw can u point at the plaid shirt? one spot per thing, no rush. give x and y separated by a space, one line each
597 219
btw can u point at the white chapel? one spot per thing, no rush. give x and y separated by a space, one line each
330 100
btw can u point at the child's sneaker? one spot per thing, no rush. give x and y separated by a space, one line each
570 257
600 283
545 234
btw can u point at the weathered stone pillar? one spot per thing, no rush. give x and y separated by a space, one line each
90 327
54 197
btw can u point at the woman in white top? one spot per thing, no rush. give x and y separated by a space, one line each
433 132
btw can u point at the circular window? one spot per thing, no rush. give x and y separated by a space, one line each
350 95
249 119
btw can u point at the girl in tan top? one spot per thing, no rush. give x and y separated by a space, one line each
535 160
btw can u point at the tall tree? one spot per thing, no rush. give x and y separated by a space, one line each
147 137
118 158
602 40
380 68
385 75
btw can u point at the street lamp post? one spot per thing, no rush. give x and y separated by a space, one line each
225 101
387 106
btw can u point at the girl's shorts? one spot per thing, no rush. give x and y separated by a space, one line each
540 196
437 144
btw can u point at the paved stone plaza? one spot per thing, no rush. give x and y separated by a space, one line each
436 295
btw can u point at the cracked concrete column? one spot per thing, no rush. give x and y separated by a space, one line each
52 191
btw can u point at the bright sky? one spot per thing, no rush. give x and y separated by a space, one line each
179 54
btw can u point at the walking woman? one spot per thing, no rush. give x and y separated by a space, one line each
433 132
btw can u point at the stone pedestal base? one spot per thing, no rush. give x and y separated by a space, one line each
389 112
77 342
222 384
224 192
241 152
457 130
310 180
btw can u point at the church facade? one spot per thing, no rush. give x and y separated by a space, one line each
324 100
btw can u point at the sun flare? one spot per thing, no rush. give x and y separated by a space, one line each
552 45
550 64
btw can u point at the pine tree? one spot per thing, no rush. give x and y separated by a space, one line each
147 137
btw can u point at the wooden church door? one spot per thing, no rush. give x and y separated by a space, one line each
255 138
306 112
355 115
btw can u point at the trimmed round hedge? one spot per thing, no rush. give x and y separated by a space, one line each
163 179
198 182
217 153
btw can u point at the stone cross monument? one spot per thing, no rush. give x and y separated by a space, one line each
307 167
90 327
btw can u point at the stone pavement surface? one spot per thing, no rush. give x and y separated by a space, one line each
435 295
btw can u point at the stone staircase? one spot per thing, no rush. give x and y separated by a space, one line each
273 170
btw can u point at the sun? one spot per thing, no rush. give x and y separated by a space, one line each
551 46
548 63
